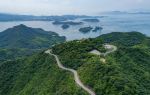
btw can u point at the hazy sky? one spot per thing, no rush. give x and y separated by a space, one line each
59 7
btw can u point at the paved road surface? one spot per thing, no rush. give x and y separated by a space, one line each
76 76
111 48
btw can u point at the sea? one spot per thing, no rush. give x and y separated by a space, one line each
109 23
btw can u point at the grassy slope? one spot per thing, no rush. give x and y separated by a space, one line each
126 71
36 75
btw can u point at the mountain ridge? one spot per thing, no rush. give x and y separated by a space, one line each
125 72
21 34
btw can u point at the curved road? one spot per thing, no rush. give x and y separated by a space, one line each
111 48
76 76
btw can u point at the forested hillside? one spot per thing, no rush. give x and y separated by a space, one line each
125 72
36 75
13 53
22 36
22 40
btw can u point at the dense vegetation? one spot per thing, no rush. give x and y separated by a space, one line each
126 39
23 40
36 75
25 37
14 53
126 71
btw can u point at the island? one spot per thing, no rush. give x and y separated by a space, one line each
65 26
85 29
91 20
67 22
97 28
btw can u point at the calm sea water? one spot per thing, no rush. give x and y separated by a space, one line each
127 23
110 23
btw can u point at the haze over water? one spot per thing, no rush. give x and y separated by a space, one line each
109 23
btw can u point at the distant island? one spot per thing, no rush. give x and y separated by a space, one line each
91 20
16 17
125 12
89 29
85 29
65 26
67 23
140 13
97 28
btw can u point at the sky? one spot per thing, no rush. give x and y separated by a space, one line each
62 7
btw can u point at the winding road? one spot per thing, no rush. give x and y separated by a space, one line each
111 48
76 76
